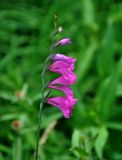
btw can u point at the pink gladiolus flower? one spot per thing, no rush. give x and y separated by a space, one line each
65 70
63 42
60 57
65 104
59 65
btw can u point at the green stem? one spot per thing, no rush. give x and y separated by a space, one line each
39 128
42 100
43 90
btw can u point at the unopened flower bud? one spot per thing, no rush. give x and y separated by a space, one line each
62 42
60 29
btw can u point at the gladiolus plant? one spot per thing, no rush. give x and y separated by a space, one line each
64 66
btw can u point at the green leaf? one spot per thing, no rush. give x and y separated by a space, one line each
106 51
76 138
17 149
101 141
8 117
115 125
89 14
79 152
85 63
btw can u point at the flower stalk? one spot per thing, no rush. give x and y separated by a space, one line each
63 65
43 99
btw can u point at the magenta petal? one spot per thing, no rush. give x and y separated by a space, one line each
65 80
59 65
66 59
61 68
66 105
59 56
67 90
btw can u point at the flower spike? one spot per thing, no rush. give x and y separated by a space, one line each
63 65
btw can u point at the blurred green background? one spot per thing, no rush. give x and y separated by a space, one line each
94 132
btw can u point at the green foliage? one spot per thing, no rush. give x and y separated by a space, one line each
95 129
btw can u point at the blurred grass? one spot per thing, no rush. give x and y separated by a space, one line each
95 129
